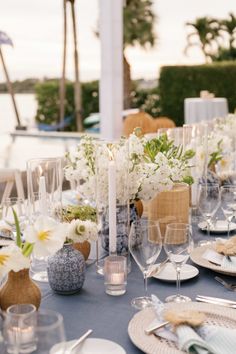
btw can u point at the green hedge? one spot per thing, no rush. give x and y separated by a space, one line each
47 96
178 82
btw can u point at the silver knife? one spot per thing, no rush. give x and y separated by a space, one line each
231 302
215 302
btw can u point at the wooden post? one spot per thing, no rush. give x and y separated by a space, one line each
77 93
10 89
62 82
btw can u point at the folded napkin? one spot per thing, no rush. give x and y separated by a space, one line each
205 339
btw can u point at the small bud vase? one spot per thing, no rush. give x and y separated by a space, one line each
84 248
66 270
19 289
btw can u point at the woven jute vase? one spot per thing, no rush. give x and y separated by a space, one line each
19 289
170 206
84 248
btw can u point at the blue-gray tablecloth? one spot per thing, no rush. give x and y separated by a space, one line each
109 316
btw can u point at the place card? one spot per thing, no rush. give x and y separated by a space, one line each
213 257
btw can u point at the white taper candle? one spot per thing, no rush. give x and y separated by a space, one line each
112 206
42 196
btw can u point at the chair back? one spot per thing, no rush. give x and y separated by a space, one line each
9 177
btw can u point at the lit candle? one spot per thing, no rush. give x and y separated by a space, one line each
112 205
115 275
116 278
19 336
42 196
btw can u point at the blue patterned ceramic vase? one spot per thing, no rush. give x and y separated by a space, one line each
66 270
122 228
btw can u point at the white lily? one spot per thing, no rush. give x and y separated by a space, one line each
11 258
47 236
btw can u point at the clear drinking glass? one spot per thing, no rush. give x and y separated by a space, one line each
228 203
49 330
19 328
208 201
178 245
145 246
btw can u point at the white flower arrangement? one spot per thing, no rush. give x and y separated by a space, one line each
80 231
12 258
45 237
151 166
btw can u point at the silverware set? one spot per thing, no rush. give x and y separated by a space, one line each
216 301
227 285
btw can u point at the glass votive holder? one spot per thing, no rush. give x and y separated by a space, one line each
19 328
115 275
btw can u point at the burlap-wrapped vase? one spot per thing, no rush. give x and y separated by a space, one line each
19 289
170 206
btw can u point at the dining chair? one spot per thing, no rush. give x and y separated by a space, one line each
9 177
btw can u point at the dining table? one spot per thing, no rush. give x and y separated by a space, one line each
197 109
109 316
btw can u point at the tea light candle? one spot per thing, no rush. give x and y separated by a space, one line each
112 205
116 278
115 272
17 335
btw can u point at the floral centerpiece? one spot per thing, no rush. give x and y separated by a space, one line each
82 227
143 169
154 165
43 238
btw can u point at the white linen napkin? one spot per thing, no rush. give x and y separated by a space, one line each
206 339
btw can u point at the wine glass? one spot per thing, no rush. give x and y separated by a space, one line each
208 201
178 245
228 203
145 246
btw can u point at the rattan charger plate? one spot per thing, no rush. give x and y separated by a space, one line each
196 257
152 344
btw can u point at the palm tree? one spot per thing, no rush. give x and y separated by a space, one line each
77 95
5 40
206 31
229 26
139 21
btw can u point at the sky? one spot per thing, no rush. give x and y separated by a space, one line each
36 28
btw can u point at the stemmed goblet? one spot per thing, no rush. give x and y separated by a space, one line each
178 244
208 201
228 203
145 246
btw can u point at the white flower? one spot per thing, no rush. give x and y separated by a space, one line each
47 235
80 231
11 258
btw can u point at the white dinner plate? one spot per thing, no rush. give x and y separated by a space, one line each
90 346
197 257
221 226
168 273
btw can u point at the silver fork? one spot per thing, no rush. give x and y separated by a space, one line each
227 285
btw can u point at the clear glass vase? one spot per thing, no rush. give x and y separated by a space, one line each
44 182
